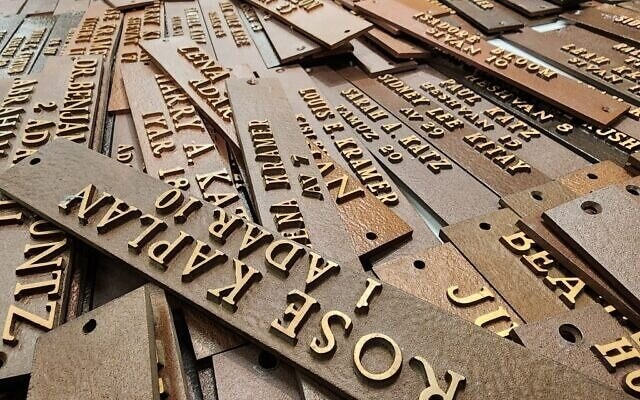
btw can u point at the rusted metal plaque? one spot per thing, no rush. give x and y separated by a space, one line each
138 25
209 338
609 20
533 8
435 179
123 5
490 17
513 272
201 77
487 160
125 147
64 23
310 17
97 33
22 49
184 19
115 343
232 43
247 372
561 91
603 227
36 264
260 39
176 146
569 339
290 45
443 277
397 317
399 48
594 177
374 63
587 55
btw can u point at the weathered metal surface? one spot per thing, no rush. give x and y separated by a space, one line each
487 160
97 33
125 147
569 338
538 199
71 7
443 277
11 7
374 62
68 360
634 160
311 18
506 269
35 7
609 20
603 227
185 61
36 264
232 43
260 39
185 19
289 45
391 311
138 25
247 372
521 72
207 337
594 177
442 185
590 56
124 5
397 47
108 280
22 49
631 5
490 17
64 23
312 390
533 8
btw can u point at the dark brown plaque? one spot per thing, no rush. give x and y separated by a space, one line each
22 49
374 62
97 33
185 19
123 329
521 72
257 32
397 47
125 147
594 177
603 226
290 45
310 17
394 316
443 277
634 160
64 23
533 8
209 338
609 20
590 56
490 17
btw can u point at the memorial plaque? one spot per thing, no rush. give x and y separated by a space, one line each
570 339
64 24
589 56
231 41
260 39
521 72
310 17
441 184
490 17
603 227
125 147
209 338
533 8
243 373
36 264
538 199
65 356
609 20
185 19
176 146
487 160
123 5
490 243
201 77
22 49
595 177
398 317
397 47
289 45
374 62
138 25
444 278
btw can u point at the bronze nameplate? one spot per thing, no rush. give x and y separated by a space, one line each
125 147
374 62
97 33
609 20
288 44
64 24
19 54
185 19
490 17
397 47
533 8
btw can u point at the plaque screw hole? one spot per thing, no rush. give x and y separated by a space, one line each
3 359
606 109
371 236
570 333
592 176
347 30
591 207
300 48
279 70
419 264
252 82
633 189
35 161
90 326
267 361
485 226
537 195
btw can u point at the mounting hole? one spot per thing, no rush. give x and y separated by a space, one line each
280 70
485 226
90 326
537 195
591 175
371 236
570 333
419 264
591 207
347 30
633 189
35 161
267 361
3 359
